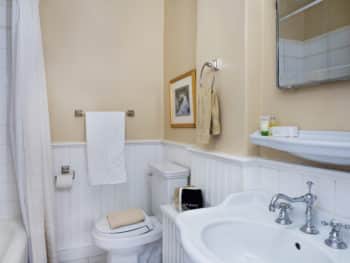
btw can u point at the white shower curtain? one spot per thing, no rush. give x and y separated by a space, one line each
30 132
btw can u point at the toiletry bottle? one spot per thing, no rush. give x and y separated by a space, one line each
273 123
265 125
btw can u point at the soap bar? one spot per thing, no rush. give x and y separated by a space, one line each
285 131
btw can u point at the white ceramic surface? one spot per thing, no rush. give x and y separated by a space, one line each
267 244
219 175
242 230
320 146
13 242
131 248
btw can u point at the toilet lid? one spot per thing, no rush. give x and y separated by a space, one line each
103 227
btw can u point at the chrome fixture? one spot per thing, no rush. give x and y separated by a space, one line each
335 240
309 199
80 113
214 65
67 170
283 217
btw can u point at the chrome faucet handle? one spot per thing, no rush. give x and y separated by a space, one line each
312 197
283 216
335 240
309 227
335 224
309 185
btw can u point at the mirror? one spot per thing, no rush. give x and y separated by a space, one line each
313 42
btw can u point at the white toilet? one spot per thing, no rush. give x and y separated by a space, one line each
142 244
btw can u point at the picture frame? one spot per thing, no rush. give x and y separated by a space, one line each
182 95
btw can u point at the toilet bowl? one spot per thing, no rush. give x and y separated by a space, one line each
130 246
141 243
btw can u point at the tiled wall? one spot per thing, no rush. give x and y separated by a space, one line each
78 208
8 191
291 62
316 59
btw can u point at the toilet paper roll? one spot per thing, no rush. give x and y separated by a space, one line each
64 181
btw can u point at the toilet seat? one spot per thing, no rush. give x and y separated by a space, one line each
127 240
103 227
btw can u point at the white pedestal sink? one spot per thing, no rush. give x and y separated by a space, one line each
241 230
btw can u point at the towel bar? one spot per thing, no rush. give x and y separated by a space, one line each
81 113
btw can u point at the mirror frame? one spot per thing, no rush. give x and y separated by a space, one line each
308 84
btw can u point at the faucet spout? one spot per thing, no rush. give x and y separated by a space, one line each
275 198
280 196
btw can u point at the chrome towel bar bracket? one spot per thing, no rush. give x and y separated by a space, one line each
214 65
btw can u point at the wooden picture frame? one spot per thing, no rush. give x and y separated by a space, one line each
182 96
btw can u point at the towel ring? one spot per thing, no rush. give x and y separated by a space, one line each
214 65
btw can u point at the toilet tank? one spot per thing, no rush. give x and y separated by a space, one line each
166 177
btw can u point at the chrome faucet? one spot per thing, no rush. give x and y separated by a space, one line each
335 239
308 198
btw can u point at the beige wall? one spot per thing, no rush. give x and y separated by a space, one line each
222 32
243 34
104 55
213 28
253 70
324 107
327 16
180 30
110 57
288 6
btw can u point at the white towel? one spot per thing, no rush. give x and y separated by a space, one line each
105 135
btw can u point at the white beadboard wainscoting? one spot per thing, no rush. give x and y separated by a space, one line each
171 248
221 174
217 174
77 209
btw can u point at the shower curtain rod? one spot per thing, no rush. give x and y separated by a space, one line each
300 10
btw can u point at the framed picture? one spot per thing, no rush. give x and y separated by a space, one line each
183 101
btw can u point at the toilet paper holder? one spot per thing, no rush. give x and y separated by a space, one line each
66 170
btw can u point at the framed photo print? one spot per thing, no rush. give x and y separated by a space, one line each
183 101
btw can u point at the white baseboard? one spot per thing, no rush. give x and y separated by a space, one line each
72 254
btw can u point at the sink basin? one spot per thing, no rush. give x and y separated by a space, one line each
242 230
244 242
